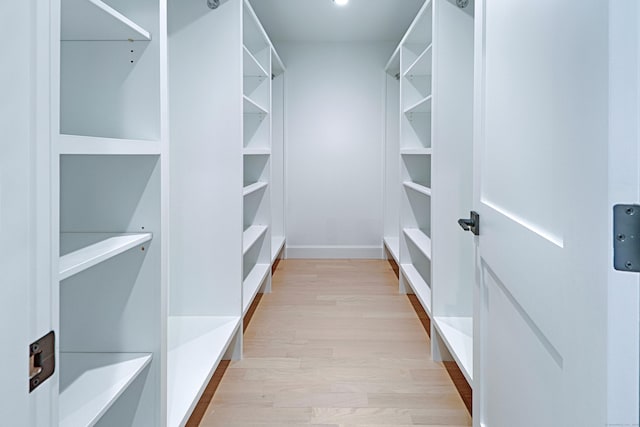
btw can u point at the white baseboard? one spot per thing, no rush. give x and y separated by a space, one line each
334 252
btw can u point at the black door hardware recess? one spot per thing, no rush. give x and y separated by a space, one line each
472 224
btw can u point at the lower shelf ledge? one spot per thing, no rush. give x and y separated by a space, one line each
393 246
277 245
90 383
196 346
457 334
418 284
252 284
95 248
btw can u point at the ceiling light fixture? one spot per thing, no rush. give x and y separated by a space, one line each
341 2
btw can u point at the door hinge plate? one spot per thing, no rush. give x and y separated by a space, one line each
42 360
626 237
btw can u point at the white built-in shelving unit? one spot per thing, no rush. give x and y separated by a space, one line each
433 187
453 249
205 285
277 157
110 147
415 156
392 188
256 119
221 188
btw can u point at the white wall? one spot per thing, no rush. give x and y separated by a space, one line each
334 139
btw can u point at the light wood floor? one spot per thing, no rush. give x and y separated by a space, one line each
335 345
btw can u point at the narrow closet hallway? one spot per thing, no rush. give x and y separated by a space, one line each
335 344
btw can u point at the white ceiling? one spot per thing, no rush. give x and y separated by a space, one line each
323 21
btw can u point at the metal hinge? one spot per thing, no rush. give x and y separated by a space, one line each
42 360
626 237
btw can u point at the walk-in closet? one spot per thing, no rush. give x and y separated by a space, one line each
321 212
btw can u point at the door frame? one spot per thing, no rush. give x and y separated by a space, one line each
624 188
25 207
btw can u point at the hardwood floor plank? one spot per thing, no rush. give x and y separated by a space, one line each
336 345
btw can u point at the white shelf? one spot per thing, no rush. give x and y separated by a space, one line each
196 345
416 151
422 106
393 246
251 235
249 189
91 382
457 334
422 63
252 283
254 36
89 20
252 67
417 187
277 243
393 65
93 254
89 145
251 107
420 239
419 286
277 66
256 152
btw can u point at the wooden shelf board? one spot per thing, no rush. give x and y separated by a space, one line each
91 382
420 240
417 187
251 66
422 106
457 334
277 66
251 235
419 286
416 151
393 246
252 284
252 188
91 255
423 61
252 107
196 345
393 65
256 151
90 145
92 20
277 244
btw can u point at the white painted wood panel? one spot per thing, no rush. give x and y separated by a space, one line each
90 383
196 344
93 254
91 20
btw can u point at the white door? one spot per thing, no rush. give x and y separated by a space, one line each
24 210
541 191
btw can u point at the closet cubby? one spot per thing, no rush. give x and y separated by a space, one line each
418 39
110 321
109 76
